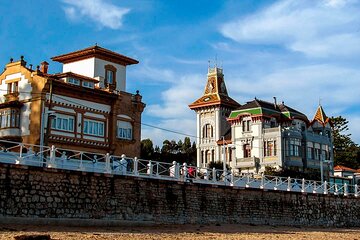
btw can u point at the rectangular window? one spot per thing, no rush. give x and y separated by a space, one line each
88 84
74 81
294 147
246 125
109 77
124 130
63 122
95 128
12 87
247 150
10 118
269 148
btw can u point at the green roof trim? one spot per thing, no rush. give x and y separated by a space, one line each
251 111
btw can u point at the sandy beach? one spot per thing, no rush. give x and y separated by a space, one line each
200 232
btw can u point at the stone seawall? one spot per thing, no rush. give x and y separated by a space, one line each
32 192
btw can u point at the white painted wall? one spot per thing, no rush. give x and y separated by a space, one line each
83 67
99 71
95 68
25 94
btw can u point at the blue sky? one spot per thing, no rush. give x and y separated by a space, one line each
298 51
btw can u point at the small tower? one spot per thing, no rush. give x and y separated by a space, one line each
212 109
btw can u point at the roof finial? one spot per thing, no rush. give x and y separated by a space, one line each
96 44
319 101
215 60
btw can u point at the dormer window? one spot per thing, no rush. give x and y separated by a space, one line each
74 81
110 76
88 84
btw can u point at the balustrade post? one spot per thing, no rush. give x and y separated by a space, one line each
314 187
123 165
157 169
289 185
177 171
325 188
185 172
276 183
247 181
51 163
136 166
231 179
214 174
20 158
356 191
107 163
262 181
345 189
303 185
149 168
81 166
336 189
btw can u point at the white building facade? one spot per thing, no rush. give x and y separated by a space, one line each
261 134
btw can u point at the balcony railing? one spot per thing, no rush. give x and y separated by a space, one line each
52 157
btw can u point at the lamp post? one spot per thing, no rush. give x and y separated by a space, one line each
322 161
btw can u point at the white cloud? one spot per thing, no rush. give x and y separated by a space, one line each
157 75
103 13
173 111
176 99
315 28
302 87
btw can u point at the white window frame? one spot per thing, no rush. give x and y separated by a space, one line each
73 81
88 84
94 128
124 130
63 122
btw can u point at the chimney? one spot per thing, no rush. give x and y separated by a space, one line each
44 67
275 103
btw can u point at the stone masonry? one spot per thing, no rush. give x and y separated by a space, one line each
33 192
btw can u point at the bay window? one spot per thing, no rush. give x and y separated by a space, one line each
10 118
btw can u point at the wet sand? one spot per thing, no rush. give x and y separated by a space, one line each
199 232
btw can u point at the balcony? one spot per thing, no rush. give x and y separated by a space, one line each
271 130
10 97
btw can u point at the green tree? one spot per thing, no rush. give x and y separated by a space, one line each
147 149
346 152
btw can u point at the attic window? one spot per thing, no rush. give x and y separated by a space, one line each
88 84
73 81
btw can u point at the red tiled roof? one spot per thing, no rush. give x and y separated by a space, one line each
95 51
343 168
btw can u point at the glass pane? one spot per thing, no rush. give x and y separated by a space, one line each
71 124
101 129
86 126
65 124
58 123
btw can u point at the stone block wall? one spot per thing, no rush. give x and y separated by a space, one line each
33 192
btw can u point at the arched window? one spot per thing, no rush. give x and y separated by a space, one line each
208 131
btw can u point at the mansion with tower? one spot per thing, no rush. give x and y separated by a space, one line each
258 134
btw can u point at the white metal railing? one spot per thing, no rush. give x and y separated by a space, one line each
52 157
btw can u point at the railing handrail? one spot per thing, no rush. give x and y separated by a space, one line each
113 164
